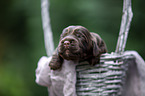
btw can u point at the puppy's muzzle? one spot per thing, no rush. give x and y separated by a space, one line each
68 42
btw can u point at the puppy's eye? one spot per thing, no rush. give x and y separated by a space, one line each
72 41
78 35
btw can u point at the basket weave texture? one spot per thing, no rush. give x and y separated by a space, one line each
104 79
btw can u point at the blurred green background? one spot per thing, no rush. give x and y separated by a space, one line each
22 41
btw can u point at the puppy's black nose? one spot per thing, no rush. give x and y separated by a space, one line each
66 44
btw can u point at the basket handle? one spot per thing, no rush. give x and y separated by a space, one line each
48 35
125 25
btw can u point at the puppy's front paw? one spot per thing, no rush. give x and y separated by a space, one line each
56 62
54 65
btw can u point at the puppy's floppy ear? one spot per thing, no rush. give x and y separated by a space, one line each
95 58
56 61
99 45
96 49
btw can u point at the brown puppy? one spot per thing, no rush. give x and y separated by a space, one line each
78 44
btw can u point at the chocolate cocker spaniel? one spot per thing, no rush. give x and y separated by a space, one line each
78 44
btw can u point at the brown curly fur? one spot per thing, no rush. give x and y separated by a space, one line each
78 44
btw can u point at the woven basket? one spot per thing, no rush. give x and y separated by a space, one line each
104 79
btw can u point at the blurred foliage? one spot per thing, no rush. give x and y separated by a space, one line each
22 44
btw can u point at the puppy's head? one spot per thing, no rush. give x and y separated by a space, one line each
78 44
75 43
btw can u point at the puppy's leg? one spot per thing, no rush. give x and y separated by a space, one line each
56 61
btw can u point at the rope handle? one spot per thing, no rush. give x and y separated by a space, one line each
125 25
